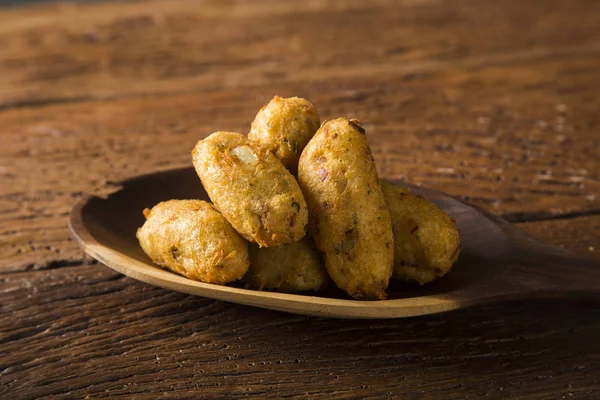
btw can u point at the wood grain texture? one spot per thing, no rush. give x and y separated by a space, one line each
494 102
74 52
112 335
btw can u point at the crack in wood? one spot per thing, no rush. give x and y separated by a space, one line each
540 216
54 264
42 102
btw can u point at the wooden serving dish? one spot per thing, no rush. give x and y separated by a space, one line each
497 261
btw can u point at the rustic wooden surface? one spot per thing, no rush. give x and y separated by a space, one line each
495 102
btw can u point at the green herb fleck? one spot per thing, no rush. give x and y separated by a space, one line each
325 203
296 206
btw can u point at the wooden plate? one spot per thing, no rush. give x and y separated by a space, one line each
497 260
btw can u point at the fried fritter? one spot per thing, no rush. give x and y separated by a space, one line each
191 238
426 240
284 126
295 267
253 190
349 219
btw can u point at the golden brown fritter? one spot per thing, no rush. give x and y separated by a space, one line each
349 219
253 190
295 267
426 240
284 126
191 238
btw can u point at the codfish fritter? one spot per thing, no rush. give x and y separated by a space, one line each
284 126
295 267
350 221
426 240
253 190
191 238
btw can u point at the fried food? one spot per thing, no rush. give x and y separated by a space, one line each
349 222
295 267
284 126
191 238
253 190
426 240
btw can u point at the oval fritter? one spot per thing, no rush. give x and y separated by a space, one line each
295 267
253 190
284 126
426 239
349 219
191 238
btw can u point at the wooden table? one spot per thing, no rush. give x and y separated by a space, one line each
496 102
